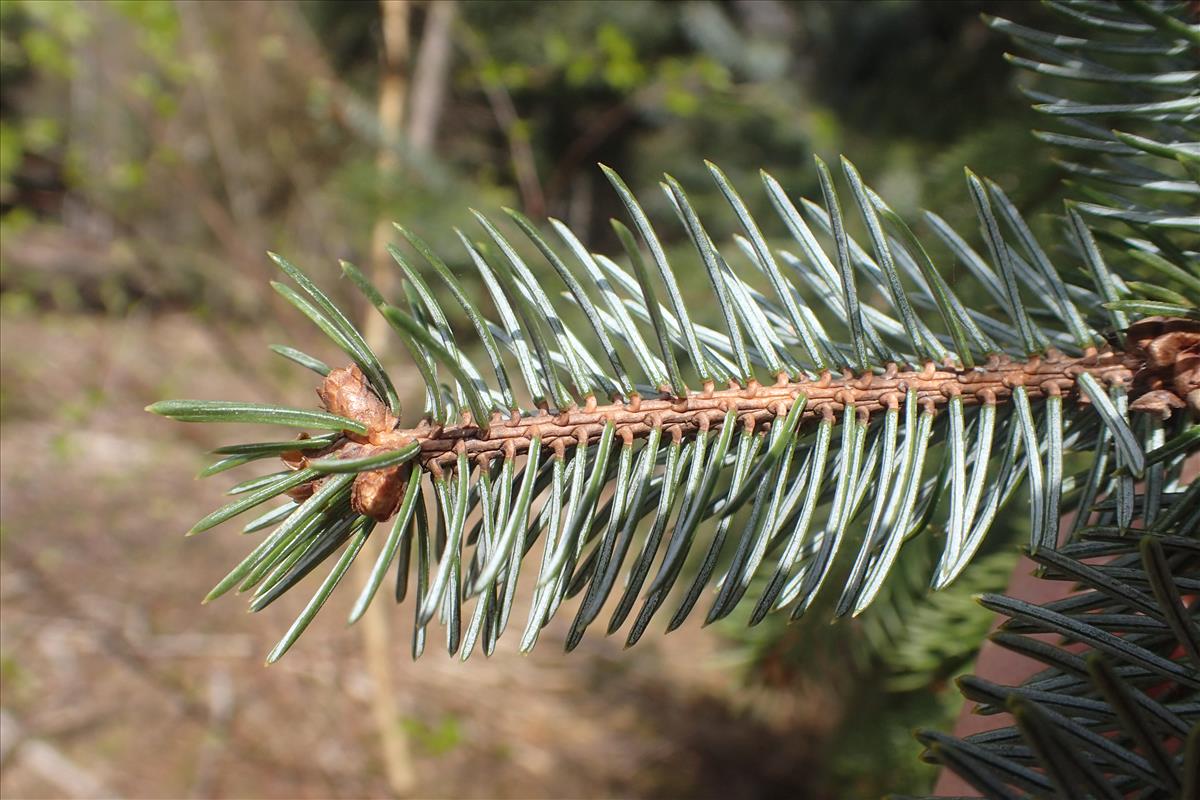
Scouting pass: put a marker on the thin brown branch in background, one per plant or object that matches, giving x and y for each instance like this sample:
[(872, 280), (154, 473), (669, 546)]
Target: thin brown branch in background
[(431, 74), (515, 130)]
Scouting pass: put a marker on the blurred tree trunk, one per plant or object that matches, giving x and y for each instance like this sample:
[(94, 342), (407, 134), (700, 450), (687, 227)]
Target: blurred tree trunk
[(429, 77), (1002, 666), (376, 627), (393, 93)]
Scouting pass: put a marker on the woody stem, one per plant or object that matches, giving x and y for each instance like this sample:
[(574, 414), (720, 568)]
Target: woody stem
[(758, 405)]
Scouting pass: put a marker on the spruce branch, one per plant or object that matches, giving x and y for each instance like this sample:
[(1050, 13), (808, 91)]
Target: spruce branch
[(769, 447), (850, 397)]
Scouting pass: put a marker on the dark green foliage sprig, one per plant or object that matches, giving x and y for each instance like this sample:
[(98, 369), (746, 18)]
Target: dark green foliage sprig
[(1115, 710), (1126, 124)]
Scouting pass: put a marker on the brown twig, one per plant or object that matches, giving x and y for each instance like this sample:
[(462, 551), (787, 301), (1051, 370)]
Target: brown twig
[(516, 134), (869, 393)]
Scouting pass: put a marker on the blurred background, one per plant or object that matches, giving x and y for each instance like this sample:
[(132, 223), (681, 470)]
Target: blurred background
[(151, 152)]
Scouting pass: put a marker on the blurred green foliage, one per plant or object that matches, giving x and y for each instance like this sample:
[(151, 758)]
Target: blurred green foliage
[(892, 668), (173, 140), (434, 739), (151, 151)]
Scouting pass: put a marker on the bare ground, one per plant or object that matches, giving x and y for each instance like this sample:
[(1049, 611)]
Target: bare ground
[(116, 682)]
